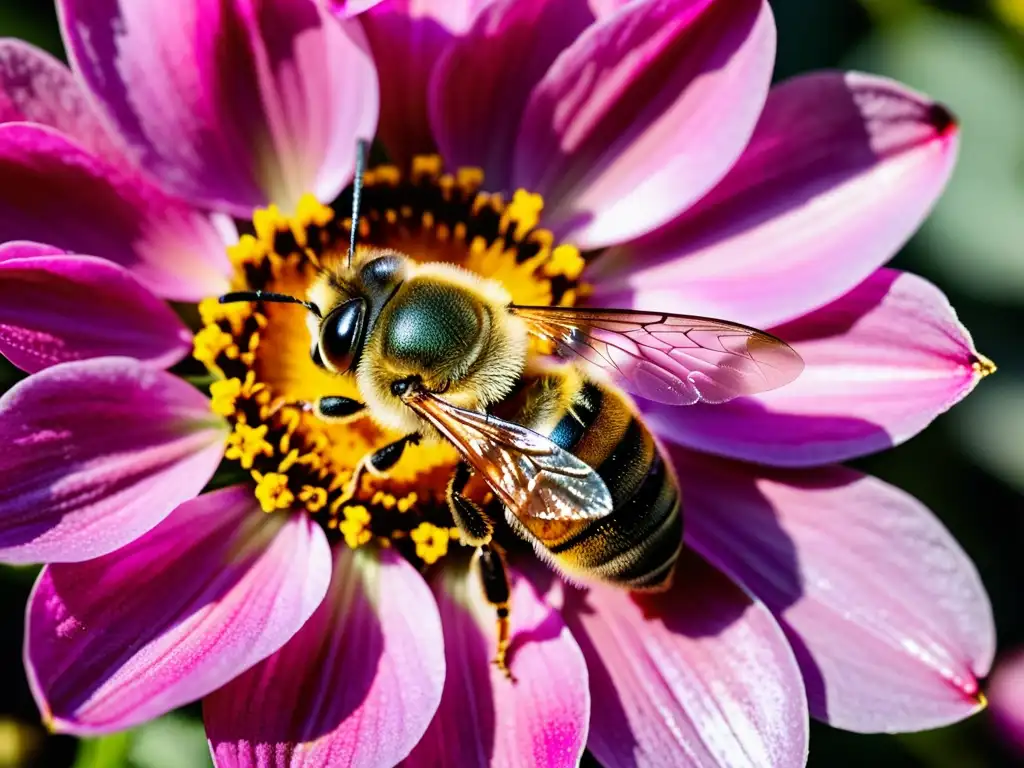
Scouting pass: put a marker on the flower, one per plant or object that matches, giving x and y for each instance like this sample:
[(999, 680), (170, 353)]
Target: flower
[(607, 153)]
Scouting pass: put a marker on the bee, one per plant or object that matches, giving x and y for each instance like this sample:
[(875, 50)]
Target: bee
[(439, 353)]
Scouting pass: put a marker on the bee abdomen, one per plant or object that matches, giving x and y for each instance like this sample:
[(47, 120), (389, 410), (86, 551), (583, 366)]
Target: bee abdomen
[(637, 545)]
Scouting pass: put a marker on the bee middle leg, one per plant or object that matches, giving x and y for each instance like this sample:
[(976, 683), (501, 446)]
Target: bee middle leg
[(476, 529), (329, 408), (378, 463)]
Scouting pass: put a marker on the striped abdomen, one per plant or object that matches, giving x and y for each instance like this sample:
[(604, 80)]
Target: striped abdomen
[(637, 545)]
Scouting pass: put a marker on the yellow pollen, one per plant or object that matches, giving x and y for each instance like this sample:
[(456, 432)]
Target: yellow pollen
[(431, 542), (353, 527), (212, 342), (212, 311), (313, 497), (524, 211), (565, 260), (223, 396), (265, 380), (268, 222), (248, 250), (310, 212), (246, 443), (983, 366), (272, 491)]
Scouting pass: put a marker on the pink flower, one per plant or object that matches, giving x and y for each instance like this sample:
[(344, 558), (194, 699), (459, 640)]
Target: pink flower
[(304, 622)]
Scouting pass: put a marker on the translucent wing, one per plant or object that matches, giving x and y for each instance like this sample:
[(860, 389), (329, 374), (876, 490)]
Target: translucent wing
[(531, 475), (674, 359)]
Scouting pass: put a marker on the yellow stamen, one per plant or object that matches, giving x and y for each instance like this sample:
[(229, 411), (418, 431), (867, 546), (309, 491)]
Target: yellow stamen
[(431, 542), (223, 396), (983, 366), (210, 343), (566, 261), (246, 443), (524, 211), (353, 527), (272, 491)]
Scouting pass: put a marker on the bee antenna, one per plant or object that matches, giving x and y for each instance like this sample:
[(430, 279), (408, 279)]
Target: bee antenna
[(280, 298), (362, 148)]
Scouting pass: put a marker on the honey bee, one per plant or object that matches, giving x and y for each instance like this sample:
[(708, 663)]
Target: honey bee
[(439, 353)]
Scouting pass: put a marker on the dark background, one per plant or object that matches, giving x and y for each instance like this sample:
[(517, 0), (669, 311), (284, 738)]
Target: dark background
[(969, 466)]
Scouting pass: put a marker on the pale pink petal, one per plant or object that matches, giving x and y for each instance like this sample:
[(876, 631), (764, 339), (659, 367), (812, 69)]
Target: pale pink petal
[(888, 618), (95, 454), (230, 103), (35, 87), (1006, 693), (643, 114), (407, 38), (484, 719), (215, 588), (841, 171), (348, 8), (881, 363), (55, 309), (700, 675), (356, 686), (481, 85), (53, 191)]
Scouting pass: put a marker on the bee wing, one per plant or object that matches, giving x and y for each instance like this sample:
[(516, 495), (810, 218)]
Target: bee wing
[(674, 359), (531, 475)]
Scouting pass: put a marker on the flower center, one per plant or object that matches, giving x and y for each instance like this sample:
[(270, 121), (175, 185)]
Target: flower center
[(259, 354)]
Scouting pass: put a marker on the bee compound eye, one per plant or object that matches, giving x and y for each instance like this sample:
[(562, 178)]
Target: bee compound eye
[(315, 356), (341, 335)]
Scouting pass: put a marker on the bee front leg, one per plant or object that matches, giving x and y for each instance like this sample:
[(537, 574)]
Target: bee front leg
[(377, 463), (330, 408), (333, 408)]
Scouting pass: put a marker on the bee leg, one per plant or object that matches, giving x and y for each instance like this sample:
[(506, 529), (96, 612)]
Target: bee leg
[(282, 402), (335, 408), (496, 590), (471, 521), (377, 463)]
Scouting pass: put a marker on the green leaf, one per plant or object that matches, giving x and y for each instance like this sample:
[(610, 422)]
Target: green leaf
[(173, 741), (104, 752)]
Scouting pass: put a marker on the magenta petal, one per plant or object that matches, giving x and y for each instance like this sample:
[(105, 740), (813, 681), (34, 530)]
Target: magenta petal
[(231, 103), (484, 719), (699, 675), (26, 249), (356, 686), (407, 38), (888, 618), (95, 454), (882, 362), (55, 309), (841, 171), (477, 99), (37, 88), (215, 588), (53, 191), (643, 114)]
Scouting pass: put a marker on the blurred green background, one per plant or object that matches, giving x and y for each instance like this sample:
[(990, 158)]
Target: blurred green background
[(969, 466)]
